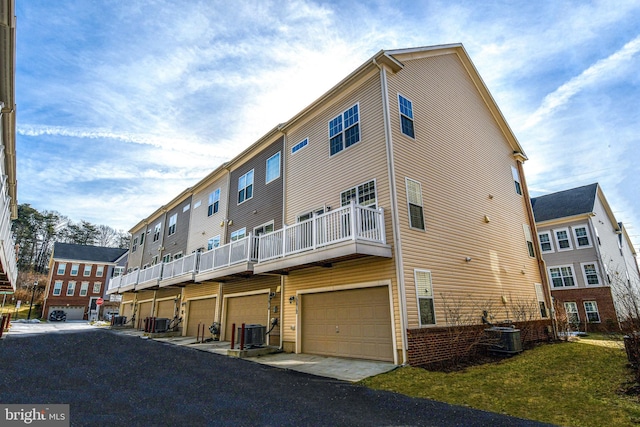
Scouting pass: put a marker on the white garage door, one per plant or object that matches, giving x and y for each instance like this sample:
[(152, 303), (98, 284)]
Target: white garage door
[(73, 312), (354, 323)]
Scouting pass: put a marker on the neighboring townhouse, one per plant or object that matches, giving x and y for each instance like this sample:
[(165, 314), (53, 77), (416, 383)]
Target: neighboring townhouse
[(589, 257), (78, 277), (358, 227), (8, 184)]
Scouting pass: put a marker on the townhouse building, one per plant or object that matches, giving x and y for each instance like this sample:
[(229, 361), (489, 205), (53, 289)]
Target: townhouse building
[(590, 259), (356, 227), (8, 183), (78, 278)]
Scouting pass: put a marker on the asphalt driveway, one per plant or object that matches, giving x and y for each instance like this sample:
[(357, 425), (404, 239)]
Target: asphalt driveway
[(114, 379)]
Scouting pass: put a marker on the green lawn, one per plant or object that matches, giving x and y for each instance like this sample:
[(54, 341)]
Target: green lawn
[(569, 384), (22, 312)]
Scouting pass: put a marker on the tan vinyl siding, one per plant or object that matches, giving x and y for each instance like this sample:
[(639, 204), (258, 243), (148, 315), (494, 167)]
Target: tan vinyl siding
[(127, 297), (169, 292), (203, 227), (199, 290), (364, 270), (314, 178), (463, 162)]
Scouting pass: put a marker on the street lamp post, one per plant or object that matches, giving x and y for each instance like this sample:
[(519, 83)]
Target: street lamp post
[(33, 291)]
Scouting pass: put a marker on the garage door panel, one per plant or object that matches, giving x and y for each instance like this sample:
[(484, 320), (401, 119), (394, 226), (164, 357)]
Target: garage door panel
[(166, 309), (250, 309), (352, 323), (200, 312), (73, 312)]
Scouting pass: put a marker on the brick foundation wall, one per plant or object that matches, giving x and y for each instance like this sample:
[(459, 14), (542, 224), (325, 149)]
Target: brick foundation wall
[(428, 346), (603, 298)]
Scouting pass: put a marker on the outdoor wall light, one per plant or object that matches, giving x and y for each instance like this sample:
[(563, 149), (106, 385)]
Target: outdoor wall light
[(468, 259)]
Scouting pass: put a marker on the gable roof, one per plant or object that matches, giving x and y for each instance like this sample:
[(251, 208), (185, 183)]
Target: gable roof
[(70, 251), (575, 201)]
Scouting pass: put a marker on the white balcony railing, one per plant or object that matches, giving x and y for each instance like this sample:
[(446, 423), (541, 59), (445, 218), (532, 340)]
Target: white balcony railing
[(149, 274), (241, 250), (180, 266), (7, 243), (114, 283), (352, 222)]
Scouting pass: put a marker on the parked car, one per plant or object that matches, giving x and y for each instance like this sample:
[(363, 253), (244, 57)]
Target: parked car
[(58, 316)]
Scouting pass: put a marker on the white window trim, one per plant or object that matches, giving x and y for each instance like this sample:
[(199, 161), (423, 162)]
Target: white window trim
[(237, 232), (84, 270), (99, 270), (64, 270), (344, 129), (400, 115), (424, 222), (84, 289), (555, 236), (77, 271), (584, 274), (516, 179), (577, 312), (415, 281), (56, 288), (550, 235), (214, 197), (357, 198), (575, 236), (173, 224), (266, 177), (573, 274), (301, 145), (586, 313), (271, 223), (71, 285), (213, 239), (99, 285), (253, 181)]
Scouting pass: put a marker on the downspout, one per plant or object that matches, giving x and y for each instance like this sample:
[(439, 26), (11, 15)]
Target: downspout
[(394, 210), (284, 204), (536, 243)]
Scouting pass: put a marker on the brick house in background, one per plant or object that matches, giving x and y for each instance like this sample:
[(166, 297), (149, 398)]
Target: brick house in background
[(78, 277), (589, 257)]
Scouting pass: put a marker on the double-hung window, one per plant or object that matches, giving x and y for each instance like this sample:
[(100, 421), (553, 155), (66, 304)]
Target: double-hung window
[(562, 277), (406, 116), (414, 199), (546, 244), (238, 234), (590, 272), (156, 232), (100, 271), (344, 130), (173, 219), (84, 289), (245, 187), (273, 167), (134, 245), (591, 308), (71, 289), (563, 242), (214, 202), (528, 238), (74, 269), (87, 270), (516, 180), (581, 234), (141, 238), (96, 287), (57, 288), (62, 266), (213, 242), (571, 308), (424, 289)]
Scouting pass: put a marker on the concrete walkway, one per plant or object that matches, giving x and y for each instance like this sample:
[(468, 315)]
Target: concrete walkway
[(352, 370)]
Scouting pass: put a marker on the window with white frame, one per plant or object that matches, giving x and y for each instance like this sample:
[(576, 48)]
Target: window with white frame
[(424, 289), (406, 116), (84, 289), (541, 301), (344, 130), (562, 276), (590, 273), (529, 239), (156, 232), (186, 207), (173, 219), (74, 269), (96, 287), (166, 258), (591, 309), (57, 288), (299, 146), (273, 167), (87, 270), (213, 242), (141, 238), (177, 256), (571, 308), (581, 234), (197, 204), (363, 194), (238, 234), (563, 242), (71, 289), (546, 244), (99, 270), (214, 202), (516, 179), (245, 187), (62, 267), (308, 215), (134, 244), (263, 229), (414, 200)]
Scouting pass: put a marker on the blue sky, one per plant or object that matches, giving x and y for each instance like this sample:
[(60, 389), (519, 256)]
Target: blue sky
[(123, 104)]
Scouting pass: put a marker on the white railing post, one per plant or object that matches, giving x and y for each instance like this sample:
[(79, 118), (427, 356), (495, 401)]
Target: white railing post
[(352, 210)]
